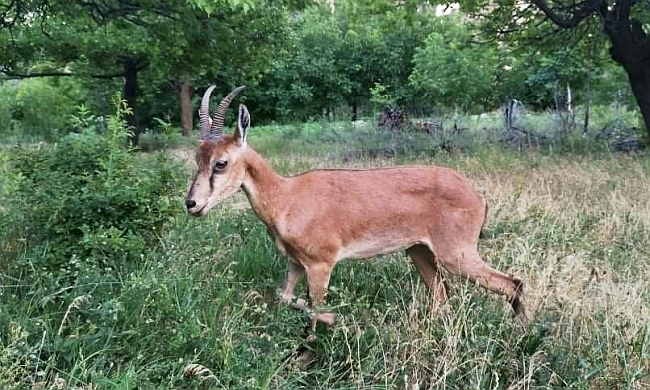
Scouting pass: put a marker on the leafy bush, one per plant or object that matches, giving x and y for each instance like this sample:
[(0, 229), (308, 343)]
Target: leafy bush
[(9, 182), (448, 63), (7, 96), (163, 136), (37, 108), (89, 204)]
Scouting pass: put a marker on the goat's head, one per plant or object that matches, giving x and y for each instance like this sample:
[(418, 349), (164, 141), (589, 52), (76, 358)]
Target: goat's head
[(220, 166)]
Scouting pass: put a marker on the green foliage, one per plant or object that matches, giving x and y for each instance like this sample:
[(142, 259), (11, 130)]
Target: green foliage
[(298, 61), (7, 99), (163, 136), (380, 96), (37, 108), (87, 204), (333, 60), (9, 184), (84, 212), (209, 6), (164, 44), (203, 291), (452, 71), (85, 121)]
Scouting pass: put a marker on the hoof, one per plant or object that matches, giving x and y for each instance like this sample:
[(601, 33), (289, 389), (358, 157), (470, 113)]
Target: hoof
[(303, 358), (299, 304), (284, 298), (327, 318)]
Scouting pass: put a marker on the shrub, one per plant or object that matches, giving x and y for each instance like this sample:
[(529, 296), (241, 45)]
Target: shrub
[(88, 205), (22, 104), (163, 136)]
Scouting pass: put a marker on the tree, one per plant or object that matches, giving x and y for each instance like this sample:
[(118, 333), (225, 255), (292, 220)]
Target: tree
[(175, 42), (334, 59), (622, 21), (93, 38), (451, 70)]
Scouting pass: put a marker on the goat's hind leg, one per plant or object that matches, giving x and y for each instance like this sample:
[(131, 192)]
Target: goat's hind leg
[(467, 263), (425, 262)]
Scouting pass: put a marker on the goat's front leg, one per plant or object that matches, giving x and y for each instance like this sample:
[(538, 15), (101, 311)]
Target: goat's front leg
[(318, 277), (295, 273)]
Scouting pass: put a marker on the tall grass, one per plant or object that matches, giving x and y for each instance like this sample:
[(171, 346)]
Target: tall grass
[(199, 310)]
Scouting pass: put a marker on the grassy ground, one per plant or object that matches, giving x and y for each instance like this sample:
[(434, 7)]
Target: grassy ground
[(573, 223)]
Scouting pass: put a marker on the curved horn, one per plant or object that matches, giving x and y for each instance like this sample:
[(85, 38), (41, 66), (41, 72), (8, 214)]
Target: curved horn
[(217, 119), (204, 115)]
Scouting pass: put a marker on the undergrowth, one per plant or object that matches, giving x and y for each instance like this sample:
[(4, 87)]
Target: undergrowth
[(191, 304)]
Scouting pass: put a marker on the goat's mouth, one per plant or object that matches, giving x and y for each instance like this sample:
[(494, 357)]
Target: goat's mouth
[(197, 213)]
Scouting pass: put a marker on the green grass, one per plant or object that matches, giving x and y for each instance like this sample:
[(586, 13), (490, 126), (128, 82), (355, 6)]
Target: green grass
[(574, 226)]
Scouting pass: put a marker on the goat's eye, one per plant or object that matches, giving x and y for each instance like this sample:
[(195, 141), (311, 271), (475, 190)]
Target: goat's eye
[(220, 165)]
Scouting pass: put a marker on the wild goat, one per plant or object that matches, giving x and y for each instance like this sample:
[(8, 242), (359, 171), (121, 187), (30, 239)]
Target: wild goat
[(320, 217)]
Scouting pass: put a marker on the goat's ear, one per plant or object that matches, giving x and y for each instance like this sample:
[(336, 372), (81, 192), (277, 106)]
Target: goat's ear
[(243, 124)]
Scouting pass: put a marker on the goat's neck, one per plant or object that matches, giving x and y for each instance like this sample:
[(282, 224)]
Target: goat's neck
[(263, 187)]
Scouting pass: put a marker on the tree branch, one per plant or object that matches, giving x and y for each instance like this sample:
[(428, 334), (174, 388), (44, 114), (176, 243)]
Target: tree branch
[(43, 30), (623, 11), (101, 11), (17, 75), (5, 12), (578, 14), (106, 76), (137, 21), (6, 9), (93, 11), (164, 14)]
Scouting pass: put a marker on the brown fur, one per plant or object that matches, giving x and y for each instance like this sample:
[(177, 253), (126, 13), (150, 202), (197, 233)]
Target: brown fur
[(321, 217)]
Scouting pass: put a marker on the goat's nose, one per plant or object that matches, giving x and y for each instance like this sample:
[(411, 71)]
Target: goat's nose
[(189, 203)]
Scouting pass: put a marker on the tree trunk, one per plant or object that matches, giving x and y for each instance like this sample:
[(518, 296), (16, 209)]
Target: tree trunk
[(585, 125), (631, 49), (641, 90), (130, 94), (636, 63), (510, 114), (569, 108), (628, 36), (562, 120), (186, 108)]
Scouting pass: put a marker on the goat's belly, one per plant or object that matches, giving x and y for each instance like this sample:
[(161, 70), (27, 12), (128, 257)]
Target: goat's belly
[(361, 249)]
